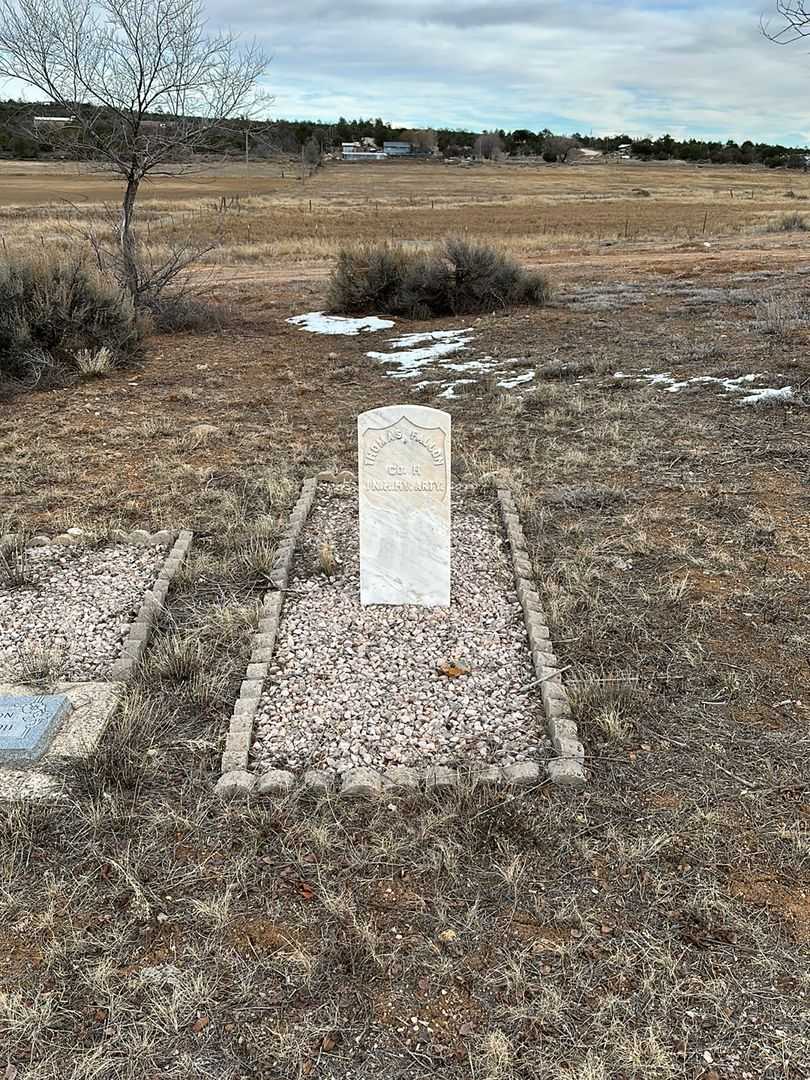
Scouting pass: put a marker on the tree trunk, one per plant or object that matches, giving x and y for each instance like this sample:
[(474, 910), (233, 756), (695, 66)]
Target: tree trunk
[(126, 237)]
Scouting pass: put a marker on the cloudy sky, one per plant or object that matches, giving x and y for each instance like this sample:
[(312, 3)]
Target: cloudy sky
[(641, 66), (637, 66)]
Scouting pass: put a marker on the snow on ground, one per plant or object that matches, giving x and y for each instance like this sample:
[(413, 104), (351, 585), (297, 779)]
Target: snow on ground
[(411, 352), (769, 396), (738, 385), (450, 389), (318, 322), (516, 380)]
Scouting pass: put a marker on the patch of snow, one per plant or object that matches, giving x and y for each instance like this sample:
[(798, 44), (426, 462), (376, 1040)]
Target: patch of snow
[(410, 360), (450, 391), (405, 341), (318, 322), (516, 380), (486, 363), (673, 385), (770, 395)]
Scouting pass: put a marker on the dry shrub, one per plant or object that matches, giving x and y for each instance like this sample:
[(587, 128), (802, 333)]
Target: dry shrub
[(52, 312), (792, 222), (177, 312), (456, 278)]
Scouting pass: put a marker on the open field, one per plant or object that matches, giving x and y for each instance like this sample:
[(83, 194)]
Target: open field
[(532, 210), (655, 927)]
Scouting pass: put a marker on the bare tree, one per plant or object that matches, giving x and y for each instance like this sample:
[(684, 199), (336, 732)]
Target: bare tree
[(794, 21), (144, 83), (489, 146), (556, 147)]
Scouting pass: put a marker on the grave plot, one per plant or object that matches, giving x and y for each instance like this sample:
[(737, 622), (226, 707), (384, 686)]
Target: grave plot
[(67, 608), (388, 685)]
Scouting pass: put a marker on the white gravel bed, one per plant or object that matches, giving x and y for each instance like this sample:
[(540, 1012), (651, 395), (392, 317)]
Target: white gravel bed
[(79, 605), (356, 686)]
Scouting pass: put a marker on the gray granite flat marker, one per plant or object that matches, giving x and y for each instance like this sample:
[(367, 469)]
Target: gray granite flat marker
[(28, 723)]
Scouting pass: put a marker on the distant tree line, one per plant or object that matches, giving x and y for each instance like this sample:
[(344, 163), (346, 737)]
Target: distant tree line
[(19, 138)]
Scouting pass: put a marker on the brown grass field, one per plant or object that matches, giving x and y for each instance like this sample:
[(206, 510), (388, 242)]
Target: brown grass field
[(655, 927)]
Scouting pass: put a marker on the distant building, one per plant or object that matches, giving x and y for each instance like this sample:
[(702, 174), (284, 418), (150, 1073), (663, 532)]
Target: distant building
[(397, 149), (52, 121), (583, 155), (356, 151)]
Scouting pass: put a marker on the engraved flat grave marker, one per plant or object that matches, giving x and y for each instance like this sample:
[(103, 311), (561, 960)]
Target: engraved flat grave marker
[(404, 492), (27, 725)]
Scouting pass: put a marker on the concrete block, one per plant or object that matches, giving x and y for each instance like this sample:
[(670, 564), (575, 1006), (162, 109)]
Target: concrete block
[(401, 779), (316, 782), (261, 656), (361, 783), (489, 776), (275, 782), (570, 749), (122, 670), (440, 778), (522, 774), (257, 671), (565, 772), (237, 784), (234, 761), (237, 742), (133, 649), (251, 688)]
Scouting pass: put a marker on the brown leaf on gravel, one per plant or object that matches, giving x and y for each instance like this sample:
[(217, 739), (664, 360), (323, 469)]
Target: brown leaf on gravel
[(452, 670)]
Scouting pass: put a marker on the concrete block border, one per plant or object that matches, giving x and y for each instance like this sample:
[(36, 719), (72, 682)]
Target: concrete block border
[(568, 768), (373, 784), (140, 630), (236, 781), (235, 778)]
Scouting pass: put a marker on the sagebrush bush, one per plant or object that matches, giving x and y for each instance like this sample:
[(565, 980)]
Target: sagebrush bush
[(53, 312), (175, 312), (792, 222), (459, 277)]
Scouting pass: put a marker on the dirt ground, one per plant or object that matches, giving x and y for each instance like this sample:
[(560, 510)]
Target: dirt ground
[(656, 926)]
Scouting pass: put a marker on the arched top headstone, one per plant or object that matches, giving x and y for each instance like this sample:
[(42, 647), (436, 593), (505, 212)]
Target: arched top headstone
[(404, 492)]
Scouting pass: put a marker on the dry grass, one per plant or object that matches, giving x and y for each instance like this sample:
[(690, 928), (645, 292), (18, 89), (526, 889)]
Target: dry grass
[(654, 927), (261, 218)]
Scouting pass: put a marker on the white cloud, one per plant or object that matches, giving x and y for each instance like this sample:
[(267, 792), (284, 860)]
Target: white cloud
[(607, 65)]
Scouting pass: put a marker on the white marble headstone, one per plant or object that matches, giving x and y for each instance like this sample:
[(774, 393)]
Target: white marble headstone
[(404, 481)]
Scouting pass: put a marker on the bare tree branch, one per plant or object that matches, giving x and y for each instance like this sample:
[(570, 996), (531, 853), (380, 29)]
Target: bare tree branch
[(794, 21)]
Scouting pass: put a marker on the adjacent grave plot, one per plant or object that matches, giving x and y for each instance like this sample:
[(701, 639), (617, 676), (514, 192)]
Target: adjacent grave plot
[(68, 608), (384, 685)]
